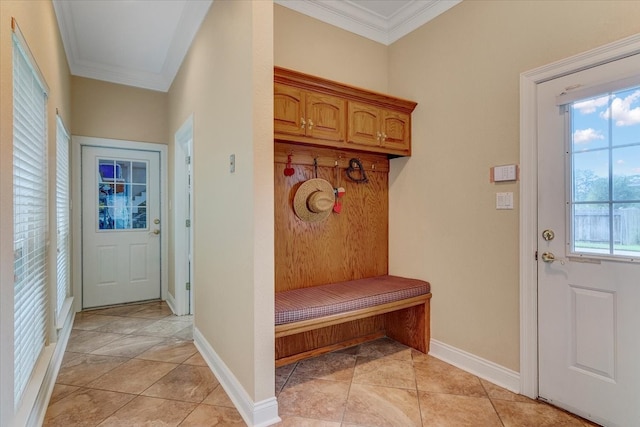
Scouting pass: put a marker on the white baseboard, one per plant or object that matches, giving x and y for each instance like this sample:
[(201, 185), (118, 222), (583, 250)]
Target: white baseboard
[(255, 414), (483, 368), (39, 409), (171, 302)]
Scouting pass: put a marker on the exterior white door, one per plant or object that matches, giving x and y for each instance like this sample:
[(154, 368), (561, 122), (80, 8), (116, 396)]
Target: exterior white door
[(120, 226), (589, 242)]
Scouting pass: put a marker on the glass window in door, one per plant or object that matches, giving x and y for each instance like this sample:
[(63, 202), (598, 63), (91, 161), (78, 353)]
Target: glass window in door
[(122, 194), (605, 174)]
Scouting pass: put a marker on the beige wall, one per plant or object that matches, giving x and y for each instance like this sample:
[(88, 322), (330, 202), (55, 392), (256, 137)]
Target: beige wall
[(39, 27), (226, 82), (463, 70), (109, 110), (307, 45)]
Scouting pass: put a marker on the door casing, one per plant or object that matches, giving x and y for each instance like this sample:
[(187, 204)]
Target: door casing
[(528, 190), (76, 205)]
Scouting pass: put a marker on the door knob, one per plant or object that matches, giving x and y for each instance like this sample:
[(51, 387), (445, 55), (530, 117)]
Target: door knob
[(548, 257)]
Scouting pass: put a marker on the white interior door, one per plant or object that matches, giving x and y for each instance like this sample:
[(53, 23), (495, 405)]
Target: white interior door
[(589, 201), (182, 230), (120, 226)]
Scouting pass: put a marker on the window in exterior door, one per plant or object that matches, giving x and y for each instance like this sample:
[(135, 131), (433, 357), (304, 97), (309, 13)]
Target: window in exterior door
[(122, 194), (604, 153)]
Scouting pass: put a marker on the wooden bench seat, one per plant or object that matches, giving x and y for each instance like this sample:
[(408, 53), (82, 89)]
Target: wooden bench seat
[(314, 320)]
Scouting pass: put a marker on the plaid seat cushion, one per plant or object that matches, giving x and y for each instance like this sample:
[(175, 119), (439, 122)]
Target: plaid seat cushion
[(324, 300)]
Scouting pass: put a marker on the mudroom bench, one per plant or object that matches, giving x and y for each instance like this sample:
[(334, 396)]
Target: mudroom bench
[(314, 320)]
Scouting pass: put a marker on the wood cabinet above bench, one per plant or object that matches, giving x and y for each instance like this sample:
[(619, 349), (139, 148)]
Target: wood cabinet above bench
[(314, 111)]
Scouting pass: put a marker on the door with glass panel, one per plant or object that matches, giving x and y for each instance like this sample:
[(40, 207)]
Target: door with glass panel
[(120, 226), (589, 242)]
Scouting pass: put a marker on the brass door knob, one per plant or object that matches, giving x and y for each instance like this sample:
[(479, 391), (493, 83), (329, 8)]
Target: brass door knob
[(548, 257)]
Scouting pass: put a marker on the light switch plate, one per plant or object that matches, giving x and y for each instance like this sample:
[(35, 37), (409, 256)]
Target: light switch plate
[(504, 200)]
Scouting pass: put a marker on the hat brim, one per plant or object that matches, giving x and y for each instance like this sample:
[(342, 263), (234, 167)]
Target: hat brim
[(300, 206)]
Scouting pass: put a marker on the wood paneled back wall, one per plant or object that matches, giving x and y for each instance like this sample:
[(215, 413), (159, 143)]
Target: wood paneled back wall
[(350, 245)]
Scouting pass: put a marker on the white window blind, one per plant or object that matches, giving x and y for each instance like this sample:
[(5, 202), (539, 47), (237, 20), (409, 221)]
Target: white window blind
[(579, 92), (29, 214), (62, 216)]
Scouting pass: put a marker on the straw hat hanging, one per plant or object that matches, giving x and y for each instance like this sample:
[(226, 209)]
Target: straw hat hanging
[(314, 200)]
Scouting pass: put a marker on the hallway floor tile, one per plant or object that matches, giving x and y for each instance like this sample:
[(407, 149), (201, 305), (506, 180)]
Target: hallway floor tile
[(136, 365)]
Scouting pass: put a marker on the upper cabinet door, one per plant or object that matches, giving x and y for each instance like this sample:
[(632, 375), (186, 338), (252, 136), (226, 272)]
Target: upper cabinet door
[(396, 131), (314, 111), (364, 124), (288, 110), (325, 117)]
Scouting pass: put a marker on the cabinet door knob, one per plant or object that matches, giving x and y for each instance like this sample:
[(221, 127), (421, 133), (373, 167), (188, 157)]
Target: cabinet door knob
[(302, 123), (310, 124), (379, 136), (384, 136)]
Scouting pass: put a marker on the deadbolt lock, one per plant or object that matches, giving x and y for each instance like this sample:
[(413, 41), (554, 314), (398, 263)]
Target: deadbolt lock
[(548, 235), (156, 221)]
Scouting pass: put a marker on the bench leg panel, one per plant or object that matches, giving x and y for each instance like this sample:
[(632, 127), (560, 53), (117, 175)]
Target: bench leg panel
[(410, 326)]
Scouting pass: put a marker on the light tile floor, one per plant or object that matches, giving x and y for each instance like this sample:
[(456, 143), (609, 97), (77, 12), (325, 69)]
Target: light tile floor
[(136, 365)]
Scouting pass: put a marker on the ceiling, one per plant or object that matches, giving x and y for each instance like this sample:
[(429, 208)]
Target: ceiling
[(142, 42)]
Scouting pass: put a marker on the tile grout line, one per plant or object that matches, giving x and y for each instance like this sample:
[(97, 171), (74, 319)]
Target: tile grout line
[(415, 378), (491, 401), (346, 402)]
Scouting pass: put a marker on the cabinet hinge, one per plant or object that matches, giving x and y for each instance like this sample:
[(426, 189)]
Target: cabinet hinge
[(187, 160), (536, 256), (187, 223), (188, 286)]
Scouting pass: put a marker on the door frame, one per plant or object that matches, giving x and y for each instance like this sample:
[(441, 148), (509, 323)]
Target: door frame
[(183, 145), (77, 142), (529, 192)]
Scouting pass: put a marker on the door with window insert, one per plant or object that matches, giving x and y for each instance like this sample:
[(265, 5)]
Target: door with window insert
[(120, 226), (589, 242)]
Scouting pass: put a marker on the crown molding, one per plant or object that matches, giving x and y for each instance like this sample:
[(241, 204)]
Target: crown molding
[(192, 16), (351, 17), (416, 15)]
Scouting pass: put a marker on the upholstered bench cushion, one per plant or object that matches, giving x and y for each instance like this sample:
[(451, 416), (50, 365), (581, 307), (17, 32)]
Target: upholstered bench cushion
[(325, 300)]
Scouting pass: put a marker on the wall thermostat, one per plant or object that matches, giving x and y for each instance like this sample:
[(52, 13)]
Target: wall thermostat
[(504, 173)]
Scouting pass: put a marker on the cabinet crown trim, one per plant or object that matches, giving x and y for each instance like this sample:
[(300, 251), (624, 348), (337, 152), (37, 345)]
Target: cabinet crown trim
[(330, 87)]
